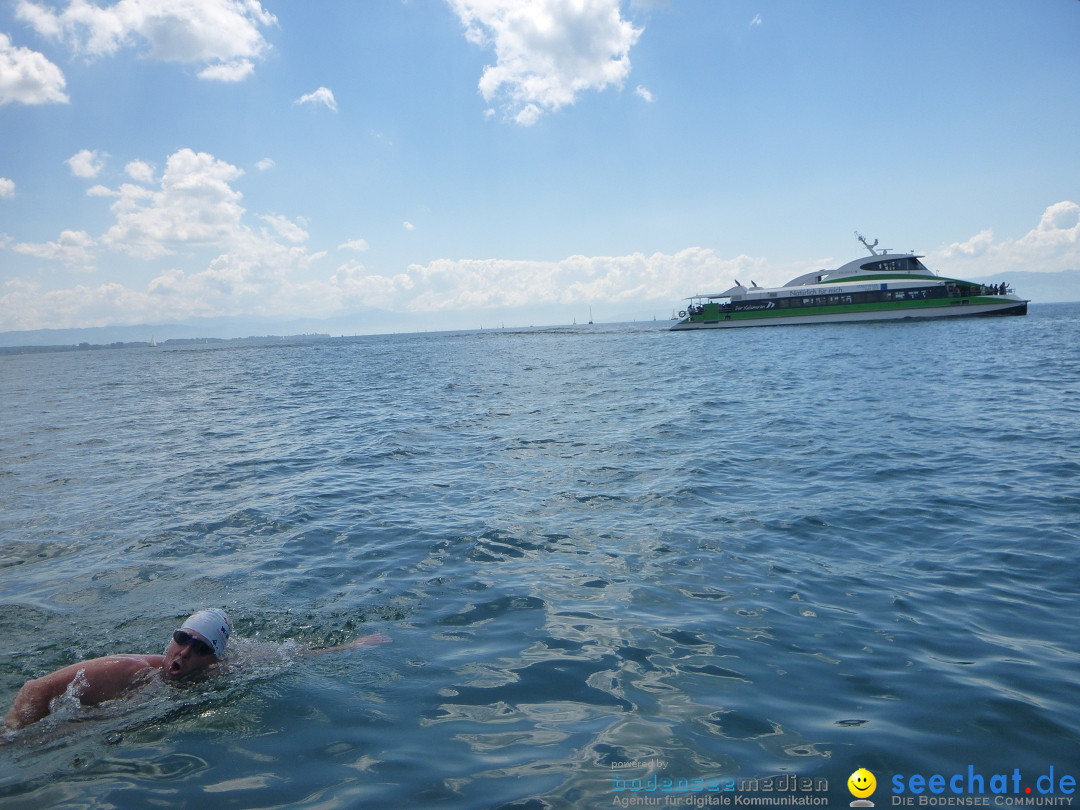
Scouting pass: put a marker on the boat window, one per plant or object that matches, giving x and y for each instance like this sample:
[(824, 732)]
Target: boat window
[(904, 265)]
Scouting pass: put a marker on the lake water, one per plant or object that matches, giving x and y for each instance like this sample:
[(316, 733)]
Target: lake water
[(746, 562)]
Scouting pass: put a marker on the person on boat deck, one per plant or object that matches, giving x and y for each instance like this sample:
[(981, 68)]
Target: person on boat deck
[(195, 649)]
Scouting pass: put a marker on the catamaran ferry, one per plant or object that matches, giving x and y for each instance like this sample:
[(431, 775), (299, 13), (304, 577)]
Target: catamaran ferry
[(886, 287)]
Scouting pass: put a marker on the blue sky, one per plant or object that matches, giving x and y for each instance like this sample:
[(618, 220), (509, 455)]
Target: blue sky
[(461, 162)]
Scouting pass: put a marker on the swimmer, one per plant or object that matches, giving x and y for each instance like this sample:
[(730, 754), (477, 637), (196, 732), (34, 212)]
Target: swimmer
[(195, 649)]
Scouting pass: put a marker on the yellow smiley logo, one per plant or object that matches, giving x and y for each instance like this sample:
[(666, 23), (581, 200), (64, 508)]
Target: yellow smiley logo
[(862, 783)]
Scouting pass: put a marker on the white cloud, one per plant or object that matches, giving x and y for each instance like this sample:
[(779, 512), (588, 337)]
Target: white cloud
[(354, 286), (27, 306), (448, 285), (252, 277), (7, 188), (195, 206), (259, 275), (225, 34), (87, 163), (27, 77), (756, 21), (264, 164), (644, 93), (977, 245), (140, 171), (547, 51), (268, 270), (1057, 233), (228, 71), (321, 96), (192, 209), (72, 248), (408, 226), (291, 231), (1052, 245), (354, 244)]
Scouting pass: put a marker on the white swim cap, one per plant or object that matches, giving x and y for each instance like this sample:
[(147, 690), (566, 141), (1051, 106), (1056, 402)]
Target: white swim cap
[(212, 625)]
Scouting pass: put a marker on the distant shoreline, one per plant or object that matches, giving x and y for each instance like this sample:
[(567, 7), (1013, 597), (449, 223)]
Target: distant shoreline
[(14, 348), (172, 343)]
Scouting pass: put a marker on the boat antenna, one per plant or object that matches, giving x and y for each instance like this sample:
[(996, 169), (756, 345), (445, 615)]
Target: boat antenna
[(867, 246)]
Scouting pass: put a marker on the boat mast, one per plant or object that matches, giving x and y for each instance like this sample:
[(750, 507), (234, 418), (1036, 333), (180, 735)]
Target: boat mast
[(867, 246)]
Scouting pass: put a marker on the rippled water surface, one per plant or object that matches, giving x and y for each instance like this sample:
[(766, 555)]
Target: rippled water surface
[(602, 554)]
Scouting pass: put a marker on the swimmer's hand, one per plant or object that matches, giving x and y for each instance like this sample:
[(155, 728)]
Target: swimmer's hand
[(363, 641)]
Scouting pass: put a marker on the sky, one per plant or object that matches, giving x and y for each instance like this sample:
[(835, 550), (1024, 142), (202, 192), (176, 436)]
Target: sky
[(457, 163)]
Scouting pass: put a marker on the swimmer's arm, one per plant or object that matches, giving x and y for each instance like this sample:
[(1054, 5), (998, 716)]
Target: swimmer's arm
[(32, 702), (101, 679), (363, 641)]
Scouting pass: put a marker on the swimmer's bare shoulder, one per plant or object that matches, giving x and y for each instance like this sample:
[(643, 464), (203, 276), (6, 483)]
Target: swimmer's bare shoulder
[(99, 679)]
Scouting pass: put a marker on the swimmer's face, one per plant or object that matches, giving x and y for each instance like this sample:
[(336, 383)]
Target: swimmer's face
[(187, 654), (861, 783)]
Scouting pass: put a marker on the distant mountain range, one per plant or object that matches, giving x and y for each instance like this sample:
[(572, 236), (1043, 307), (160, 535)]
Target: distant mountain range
[(1039, 287)]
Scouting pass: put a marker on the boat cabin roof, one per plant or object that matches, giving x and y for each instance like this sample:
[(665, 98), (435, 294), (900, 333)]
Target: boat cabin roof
[(883, 263), (879, 263)]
